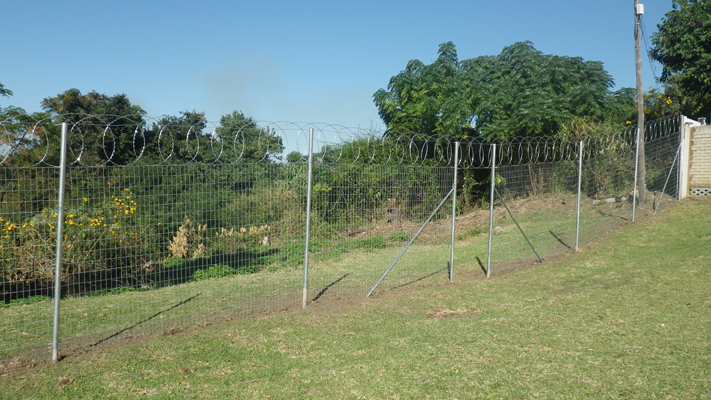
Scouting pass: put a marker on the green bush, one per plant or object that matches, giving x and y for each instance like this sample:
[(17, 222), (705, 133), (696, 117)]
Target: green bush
[(25, 301), (103, 243), (399, 237), (371, 243), (173, 263)]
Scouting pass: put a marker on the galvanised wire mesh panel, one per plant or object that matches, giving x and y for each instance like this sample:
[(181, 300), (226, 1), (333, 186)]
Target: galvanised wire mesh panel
[(371, 194), (541, 198), (662, 158), (28, 188), (181, 243), (364, 216), (27, 239), (607, 189)]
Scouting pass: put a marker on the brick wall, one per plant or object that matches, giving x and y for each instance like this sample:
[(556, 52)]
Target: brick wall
[(700, 160)]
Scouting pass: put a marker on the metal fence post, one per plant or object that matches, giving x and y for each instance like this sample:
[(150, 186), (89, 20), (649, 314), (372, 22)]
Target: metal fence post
[(491, 207), (60, 237), (308, 218), (454, 210), (580, 180), (636, 166)]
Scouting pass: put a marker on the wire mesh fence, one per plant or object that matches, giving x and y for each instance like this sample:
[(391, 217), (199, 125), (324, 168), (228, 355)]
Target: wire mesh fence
[(170, 224)]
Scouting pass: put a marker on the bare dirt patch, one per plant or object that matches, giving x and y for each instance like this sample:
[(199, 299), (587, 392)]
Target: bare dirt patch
[(443, 312)]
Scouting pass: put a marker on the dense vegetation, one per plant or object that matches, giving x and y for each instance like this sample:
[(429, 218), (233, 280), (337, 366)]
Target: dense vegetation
[(683, 46), (520, 92)]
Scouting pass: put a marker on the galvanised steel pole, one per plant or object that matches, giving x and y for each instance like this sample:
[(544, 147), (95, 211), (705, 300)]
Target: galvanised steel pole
[(636, 166), (60, 242), (308, 218), (491, 207), (580, 181), (454, 210)]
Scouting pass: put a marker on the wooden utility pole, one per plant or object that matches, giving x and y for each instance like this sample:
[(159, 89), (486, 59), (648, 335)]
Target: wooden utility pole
[(641, 170)]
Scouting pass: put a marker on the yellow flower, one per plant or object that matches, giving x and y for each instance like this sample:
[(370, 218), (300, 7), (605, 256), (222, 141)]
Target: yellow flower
[(628, 122), (85, 199)]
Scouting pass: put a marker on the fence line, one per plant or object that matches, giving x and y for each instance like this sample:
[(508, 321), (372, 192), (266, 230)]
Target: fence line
[(127, 140), (164, 226)]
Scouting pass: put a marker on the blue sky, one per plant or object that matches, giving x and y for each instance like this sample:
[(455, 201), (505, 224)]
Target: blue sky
[(313, 61)]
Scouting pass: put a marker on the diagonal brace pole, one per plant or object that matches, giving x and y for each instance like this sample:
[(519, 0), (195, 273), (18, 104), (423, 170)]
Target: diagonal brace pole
[(519, 226), (410, 242)]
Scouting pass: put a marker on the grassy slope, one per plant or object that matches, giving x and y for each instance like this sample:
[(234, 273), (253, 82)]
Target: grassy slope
[(629, 318)]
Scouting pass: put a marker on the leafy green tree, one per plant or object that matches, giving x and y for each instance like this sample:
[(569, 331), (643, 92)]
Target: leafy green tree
[(242, 139), (683, 46), (111, 127), (178, 139), (24, 142), (667, 102), (520, 92), (416, 98), (4, 91)]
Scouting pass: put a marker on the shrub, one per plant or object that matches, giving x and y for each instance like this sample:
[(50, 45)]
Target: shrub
[(371, 243), (399, 237), (103, 244)]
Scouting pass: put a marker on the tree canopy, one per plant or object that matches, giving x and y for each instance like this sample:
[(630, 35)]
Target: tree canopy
[(114, 130), (98, 144), (249, 143), (683, 46), (520, 92), (5, 91)]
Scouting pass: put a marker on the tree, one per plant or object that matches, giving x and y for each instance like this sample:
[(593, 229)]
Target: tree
[(111, 127), (178, 139), (520, 92), (683, 46), (4, 91), (416, 98), (242, 139)]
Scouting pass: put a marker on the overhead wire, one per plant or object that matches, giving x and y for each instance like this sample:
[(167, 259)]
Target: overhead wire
[(647, 47)]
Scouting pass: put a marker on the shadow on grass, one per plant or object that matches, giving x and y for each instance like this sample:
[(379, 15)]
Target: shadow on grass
[(560, 240), (324, 290), (215, 266), (422, 278), (145, 320), (481, 265)]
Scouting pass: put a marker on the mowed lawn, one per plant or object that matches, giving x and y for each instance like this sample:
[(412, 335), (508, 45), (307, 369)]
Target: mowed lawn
[(629, 317)]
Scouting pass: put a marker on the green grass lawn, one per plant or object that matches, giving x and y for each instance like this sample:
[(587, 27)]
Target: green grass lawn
[(627, 318)]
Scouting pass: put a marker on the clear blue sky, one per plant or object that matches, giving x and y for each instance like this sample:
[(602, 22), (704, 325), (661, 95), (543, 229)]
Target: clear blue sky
[(313, 61)]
